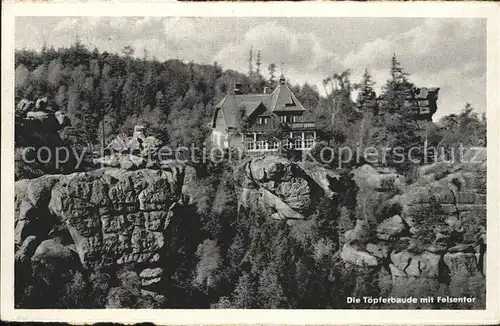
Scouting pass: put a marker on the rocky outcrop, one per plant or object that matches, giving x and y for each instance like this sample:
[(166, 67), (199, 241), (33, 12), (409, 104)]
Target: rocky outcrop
[(131, 153), (391, 227), (105, 218), (286, 190), (428, 235), (422, 238), (139, 144), (358, 257), (433, 228), (39, 113), (39, 127)]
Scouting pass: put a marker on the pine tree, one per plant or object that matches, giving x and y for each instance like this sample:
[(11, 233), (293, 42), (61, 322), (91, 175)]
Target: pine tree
[(366, 90), (250, 62), (272, 75), (397, 89), (399, 123), (245, 293), (128, 51), (207, 271), (271, 290), (367, 99), (397, 74), (258, 63)]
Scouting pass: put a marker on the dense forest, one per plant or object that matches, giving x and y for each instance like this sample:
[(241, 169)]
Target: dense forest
[(221, 262)]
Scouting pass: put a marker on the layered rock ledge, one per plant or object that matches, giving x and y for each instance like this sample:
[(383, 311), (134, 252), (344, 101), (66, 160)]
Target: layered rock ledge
[(106, 218)]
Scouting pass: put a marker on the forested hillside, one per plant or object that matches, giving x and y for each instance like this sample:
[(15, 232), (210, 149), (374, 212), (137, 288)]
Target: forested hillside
[(175, 100)]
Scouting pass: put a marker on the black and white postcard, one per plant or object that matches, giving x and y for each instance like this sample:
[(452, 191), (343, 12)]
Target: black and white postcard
[(272, 163)]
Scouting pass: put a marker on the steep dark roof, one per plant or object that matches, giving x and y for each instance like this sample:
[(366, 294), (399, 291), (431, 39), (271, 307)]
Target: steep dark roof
[(280, 100), (284, 100), (231, 104)]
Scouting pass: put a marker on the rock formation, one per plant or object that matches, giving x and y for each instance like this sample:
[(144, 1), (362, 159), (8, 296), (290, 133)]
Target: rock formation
[(38, 125), (286, 190), (134, 152), (433, 229), (106, 218), (422, 238)]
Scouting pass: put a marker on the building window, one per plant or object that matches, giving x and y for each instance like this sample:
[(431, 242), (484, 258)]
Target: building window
[(289, 118), (297, 143), (262, 120), (250, 146), (425, 110), (261, 145), (273, 146), (309, 142)]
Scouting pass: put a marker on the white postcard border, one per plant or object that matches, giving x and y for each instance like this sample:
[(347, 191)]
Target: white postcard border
[(227, 9)]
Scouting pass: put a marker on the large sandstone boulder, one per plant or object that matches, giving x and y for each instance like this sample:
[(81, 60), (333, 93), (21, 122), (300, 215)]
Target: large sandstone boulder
[(52, 250), (287, 189), (31, 214), (27, 249), (52, 261), (139, 144), (358, 257), (108, 212), (369, 178), (461, 264), (424, 265), (390, 227), (283, 210), (362, 232), (380, 249), (325, 178), (113, 217), (466, 280)]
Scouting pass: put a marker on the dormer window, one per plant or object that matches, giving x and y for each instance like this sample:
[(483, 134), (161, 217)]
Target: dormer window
[(262, 120), (290, 102)]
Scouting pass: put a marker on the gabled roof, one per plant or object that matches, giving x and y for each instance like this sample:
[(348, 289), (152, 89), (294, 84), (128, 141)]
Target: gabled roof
[(231, 104), (250, 107), (282, 99)]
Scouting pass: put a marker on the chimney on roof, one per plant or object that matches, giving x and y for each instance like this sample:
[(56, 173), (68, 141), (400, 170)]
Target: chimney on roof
[(266, 89), (238, 88)]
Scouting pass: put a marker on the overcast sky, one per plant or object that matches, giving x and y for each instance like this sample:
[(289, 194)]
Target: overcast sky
[(449, 53)]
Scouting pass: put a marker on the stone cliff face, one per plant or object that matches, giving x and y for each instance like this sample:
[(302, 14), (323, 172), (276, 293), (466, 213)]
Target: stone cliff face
[(286, 190), (37, 126), (107, 218), (430, 236), (423, 238)]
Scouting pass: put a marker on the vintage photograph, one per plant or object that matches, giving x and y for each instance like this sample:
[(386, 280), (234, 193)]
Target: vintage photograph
[(250, 162)]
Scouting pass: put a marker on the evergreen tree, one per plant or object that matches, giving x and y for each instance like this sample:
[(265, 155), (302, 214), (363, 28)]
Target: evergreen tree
[(245, 294), (250, 62), (366, 92), (272, 75), (397, 90), (337, 112), (258, 63), (399, 124), (128, 51), (207, 271)]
